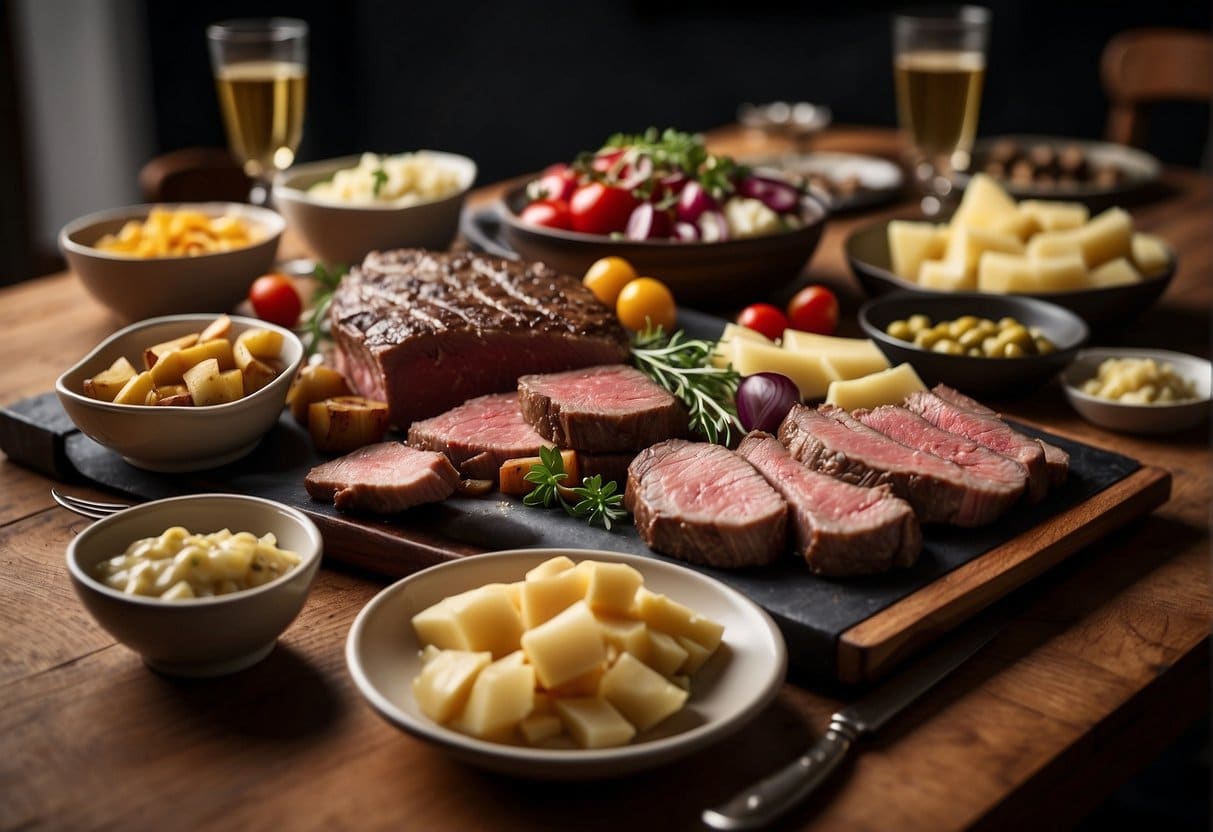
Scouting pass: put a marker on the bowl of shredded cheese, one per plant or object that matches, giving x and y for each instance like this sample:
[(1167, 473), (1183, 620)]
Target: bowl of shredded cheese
[(346, 207), (1139, 390), (200, 585)]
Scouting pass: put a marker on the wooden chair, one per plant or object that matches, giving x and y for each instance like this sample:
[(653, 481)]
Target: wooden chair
[(1143, 66), (194, 174)]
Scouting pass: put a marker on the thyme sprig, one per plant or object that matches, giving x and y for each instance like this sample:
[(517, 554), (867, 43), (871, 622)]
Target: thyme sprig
[(683, 366), (596, 503), (317, 321)]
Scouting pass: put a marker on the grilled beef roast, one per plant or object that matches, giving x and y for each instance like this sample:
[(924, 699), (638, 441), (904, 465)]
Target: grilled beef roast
[(840, 529), (704, 504), (1056, 459), (479, 435), (384, 478), (604, 409), (986, 430), (425, 331), (611, 467)]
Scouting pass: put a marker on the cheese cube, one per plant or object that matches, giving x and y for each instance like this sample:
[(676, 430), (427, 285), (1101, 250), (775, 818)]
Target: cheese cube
[(543, 598), (968, 244), (984, 205), (660, 613), (1020, 225), (810, 374), (1061, 274), (1150, 254), (846, 357), (664, 654), (430, 652), (443, 686), (1054, 244), (584, 685), (625, 635), (847, 366), (479, 619), (594, 723), (566, 646), (1055, 216), (1106, 237), (999, 272), (723, 353), (502, 695), (1118, 272), (611, 587), (946, 276), (538, 728), (697, 654), (888, 387), (910, 243), (550, 567), (642, 695)]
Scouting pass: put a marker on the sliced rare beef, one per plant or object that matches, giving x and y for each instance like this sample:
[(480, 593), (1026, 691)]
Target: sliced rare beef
[(833, 442), (988, 430), (1056, 459), (604, 409), (840, 529), (425, 331), (479, 435), (704, 504), (611, 467), (384, 478)]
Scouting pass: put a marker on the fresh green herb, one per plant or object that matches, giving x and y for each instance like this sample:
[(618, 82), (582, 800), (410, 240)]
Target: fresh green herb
[(664, 152), (317, 321), (684, 367), (380, 177), (596, 503)]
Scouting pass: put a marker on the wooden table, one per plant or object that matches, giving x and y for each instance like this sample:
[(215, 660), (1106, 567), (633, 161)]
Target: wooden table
[(1105, 662)]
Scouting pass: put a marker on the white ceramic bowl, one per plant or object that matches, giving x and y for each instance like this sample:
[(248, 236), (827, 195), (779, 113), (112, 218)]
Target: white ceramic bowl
[(343, 234), (175, 438), (1138, 418), (139, 287), (197, 636), (733, 687)]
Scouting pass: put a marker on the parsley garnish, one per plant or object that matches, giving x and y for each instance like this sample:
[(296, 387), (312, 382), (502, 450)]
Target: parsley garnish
[(597, 503)]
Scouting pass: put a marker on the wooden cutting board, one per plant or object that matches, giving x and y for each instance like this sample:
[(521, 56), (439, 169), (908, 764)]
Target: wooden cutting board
[(851, 630)]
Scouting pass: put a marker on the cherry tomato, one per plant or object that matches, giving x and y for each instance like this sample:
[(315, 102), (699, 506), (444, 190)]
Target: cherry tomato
[(549, 213), (275, 300), (643, 300), (601, 209), (607, 277), (557, 182), (814, 309), (764, 318)]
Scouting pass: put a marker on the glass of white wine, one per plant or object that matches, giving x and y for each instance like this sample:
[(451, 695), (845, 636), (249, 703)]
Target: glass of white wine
[(939, 66), (260, 69)]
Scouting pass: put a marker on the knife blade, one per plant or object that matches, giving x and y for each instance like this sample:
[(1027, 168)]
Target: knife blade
[(768, 799)]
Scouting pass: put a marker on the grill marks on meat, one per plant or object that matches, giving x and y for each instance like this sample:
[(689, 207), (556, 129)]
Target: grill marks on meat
[(840, 529), (603, 409), (704, 504), (426, 331), (384, 478), (479, 435)]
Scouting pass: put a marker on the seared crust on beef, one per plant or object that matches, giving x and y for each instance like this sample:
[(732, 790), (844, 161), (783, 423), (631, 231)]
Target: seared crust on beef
[(479, 435), (384, 478)]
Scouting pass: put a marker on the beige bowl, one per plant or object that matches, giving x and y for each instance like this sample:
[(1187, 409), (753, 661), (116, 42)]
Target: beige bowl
[(175, 438), (141, 287), (343, 234), (198, 636)]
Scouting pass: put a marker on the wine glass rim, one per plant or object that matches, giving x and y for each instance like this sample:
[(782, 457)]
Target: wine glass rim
[(258, 29), (946, 15)]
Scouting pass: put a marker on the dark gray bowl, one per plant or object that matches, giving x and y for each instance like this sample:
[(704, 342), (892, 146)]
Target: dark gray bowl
[(1103, 309), (999, 377)]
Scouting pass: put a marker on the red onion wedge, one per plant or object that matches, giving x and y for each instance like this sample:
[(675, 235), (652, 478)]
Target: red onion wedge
[(763, 399)]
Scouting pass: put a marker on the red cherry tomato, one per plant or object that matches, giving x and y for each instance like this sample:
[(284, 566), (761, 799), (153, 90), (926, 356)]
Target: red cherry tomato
[(764, 318), (557, 182), (275, 300), (549, 213), (601, 209), (814, 309)]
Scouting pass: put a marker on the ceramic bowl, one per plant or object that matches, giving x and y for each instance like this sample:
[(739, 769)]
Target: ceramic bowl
[(197, 636), (162, 438), (1138, 418), (709, 274), (143, 287), (867, 251), (1000, 377), (343, 234)]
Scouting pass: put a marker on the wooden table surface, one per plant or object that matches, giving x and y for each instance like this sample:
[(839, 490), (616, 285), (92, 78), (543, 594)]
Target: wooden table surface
[(1104, 662)]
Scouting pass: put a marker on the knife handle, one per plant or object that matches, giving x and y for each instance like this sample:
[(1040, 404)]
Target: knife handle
[(772, 796)]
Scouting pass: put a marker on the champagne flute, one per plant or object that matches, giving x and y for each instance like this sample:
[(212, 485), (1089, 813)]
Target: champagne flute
[(939, 65), (260, 69)]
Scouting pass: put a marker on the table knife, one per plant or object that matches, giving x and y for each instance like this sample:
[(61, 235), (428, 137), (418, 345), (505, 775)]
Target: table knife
[(769, 798)]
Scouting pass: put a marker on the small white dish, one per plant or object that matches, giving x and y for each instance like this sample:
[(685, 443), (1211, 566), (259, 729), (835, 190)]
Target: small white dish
[(1138, 418), (161, 438), (198, 637), (741, 679)]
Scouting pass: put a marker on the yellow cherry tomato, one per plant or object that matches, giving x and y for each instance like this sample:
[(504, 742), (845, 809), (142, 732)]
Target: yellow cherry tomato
[(607, 277), (645, 299)]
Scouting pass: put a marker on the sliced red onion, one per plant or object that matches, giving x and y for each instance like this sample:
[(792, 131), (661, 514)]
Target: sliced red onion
[(674, 183), (637, 173), (781, 197), (686, 232), (693, 201), (764, 399), (647, 222), (713, 227)]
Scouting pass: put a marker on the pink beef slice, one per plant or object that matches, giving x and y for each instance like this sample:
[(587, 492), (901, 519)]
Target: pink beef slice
[(839, 528), (1056, 459), (987, 430), (830, 440), (704, 504), (479, 435), (425, 331), (605, 409), (384, 478)]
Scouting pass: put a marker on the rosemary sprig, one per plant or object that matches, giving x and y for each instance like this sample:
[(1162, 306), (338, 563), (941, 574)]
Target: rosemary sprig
[(683, 366), (597, 503), (317, 321)]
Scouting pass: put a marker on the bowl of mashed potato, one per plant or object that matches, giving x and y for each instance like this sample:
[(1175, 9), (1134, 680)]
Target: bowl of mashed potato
[(200, 585), (344, 208)]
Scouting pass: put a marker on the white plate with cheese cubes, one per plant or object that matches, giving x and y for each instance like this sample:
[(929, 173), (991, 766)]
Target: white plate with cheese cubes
[(590, 737)]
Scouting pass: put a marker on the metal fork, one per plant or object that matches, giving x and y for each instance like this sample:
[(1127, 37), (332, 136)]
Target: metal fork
[(88, 508)]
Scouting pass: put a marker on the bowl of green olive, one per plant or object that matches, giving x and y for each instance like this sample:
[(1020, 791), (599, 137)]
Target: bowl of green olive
[(996, 345)]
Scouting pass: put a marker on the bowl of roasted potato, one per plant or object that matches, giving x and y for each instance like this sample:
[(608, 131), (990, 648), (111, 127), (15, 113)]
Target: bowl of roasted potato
[(182, 392), (148, 260)]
